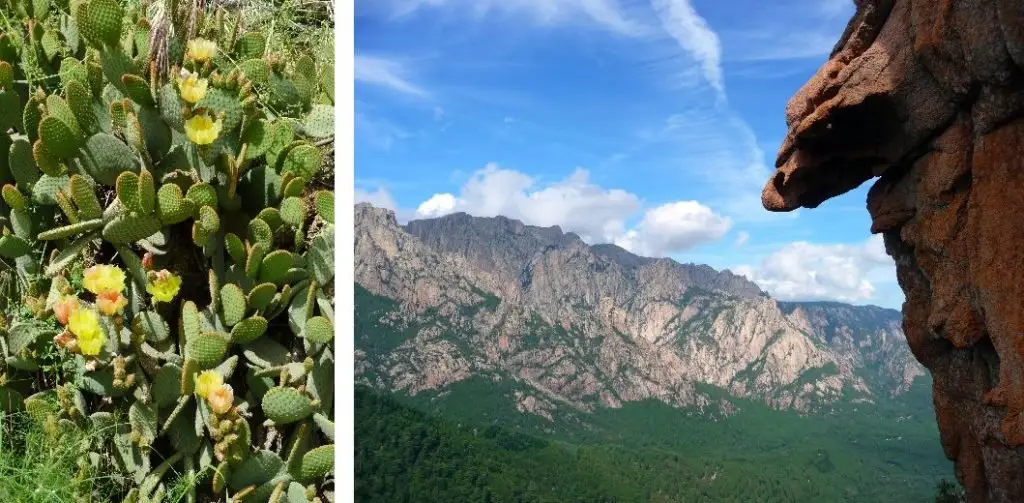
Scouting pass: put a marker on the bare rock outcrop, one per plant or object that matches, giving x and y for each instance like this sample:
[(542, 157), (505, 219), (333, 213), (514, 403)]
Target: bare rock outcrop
[(928, 95)]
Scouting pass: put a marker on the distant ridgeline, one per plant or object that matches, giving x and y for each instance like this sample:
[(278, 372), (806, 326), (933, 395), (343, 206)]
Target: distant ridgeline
[(504, 362)]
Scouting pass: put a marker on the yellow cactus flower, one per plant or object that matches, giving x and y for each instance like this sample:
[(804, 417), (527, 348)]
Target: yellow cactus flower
[(111, 303), (85, 324), (201, 50), (192, 88), (202, 130), (163, 285), (221, 399), (64, 307), (103, 278), (207, 381)]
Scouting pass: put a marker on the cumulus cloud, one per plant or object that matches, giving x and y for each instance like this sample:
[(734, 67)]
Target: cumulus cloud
[(808, 271), (380, 198), (597, 214), (674, 227)]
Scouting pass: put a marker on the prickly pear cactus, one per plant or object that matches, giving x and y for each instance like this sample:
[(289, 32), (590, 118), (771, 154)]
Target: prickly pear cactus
[(168, 246)]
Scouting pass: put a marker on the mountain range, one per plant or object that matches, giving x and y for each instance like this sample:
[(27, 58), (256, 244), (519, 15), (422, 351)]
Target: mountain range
[(569, 326)]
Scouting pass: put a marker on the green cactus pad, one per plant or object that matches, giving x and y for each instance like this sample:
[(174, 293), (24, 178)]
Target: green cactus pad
[(319, 123), (22, 165), (13, 197), (137, 89), (293, 211), (248, 330), (69, 254), (284, 405), (220, 477), (147, 192), (167, 385), (256, 70), (85, 198), (6, 76), (232, 304), (303, 161), (130, 228), (207, 349), (202, 194), (235, 248), (151, 325), (21, 222), (271, 216), (226, 102), (261, 295), (80, 102), (208, 219), (47, 163), (317, 463), (190, 324), (31, 117), (142, 419), (250, 45), (294, 187), (58, 138), (99, 21), (13, 247), (172, 207), (255, 260), (324, 201), (257, 469), (318, 329), (106, 157), (260, 232), (128, 191), (70, 230), (274, 266)]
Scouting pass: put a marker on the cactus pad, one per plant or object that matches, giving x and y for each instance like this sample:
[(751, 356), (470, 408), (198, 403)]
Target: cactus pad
[(202, 194), (13, 247), (293, 211), (302, 160), (235, 248), (248, 330), (274, 266), (171, 205), (284, 405), (317, 463), (59, 139), (128, 191), (207, 349), (261, 295), (130, 228), (318, 329), (13, 197), (70, 230), (324, 201), (85, 198), (260, 232)]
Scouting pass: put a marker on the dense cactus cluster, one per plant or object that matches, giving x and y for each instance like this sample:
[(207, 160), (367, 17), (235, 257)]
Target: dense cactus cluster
[(167, 253)]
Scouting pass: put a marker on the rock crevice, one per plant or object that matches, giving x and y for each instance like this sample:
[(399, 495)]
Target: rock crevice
[(928, 95)]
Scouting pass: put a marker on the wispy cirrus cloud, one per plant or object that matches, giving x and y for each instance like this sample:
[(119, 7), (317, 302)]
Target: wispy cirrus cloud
[(388, 73)]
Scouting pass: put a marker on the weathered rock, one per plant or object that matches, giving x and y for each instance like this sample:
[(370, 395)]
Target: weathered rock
[(929, 95), (583, 327)]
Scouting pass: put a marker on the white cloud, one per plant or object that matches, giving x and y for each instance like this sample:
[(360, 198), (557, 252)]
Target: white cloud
[(682, 22), (576, 204), (385, 72), (807, 271), (674, 227), (741, 238), (380, 198), (438, 205)]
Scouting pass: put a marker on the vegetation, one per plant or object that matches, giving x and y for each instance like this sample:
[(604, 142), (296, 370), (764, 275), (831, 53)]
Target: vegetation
[(468, 442), (166, 251)]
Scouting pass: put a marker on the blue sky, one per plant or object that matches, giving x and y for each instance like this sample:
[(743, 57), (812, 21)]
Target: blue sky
[(652, 124)]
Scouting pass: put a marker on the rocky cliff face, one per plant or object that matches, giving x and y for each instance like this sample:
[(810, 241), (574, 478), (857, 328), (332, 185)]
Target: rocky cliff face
[(928, 95), (581, 326)]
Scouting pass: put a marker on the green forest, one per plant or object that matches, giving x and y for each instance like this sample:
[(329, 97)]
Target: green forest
[(405, 454)]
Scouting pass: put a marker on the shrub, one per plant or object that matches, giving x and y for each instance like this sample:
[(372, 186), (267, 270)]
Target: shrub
[(166, 246)]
